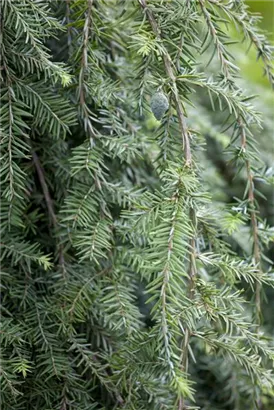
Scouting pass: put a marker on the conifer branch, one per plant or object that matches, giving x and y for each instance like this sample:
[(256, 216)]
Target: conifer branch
[(188, 158), (69, 31), (253, 215), (247, 23), (10, 134), (221, 51), (45, 189), (166, 273), (49, 203), (192, 276), (227, 71), (83, 70), (170, 73), (84, 61), (4, 67)]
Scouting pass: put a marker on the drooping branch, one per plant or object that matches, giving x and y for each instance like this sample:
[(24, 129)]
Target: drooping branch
[(192, 275), (83, 72), (4, 67), (229, 69), (170, 71), (171, 74), (44, 187), (245, 21), (49, 203), (69, 31), (220, 47), (166, 273), (253, 217), (84, 59)]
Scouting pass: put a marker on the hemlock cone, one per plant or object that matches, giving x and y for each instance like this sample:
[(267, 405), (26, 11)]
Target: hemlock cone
[(159, 105), (135, 257)]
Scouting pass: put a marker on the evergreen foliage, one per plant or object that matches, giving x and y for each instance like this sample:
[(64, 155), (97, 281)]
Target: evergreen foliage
[(135, 259)]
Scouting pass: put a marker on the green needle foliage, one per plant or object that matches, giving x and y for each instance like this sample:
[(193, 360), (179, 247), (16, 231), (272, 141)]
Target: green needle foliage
[(135, 258)]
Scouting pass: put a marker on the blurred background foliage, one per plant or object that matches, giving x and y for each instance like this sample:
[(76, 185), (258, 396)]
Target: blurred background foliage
[(251, 70), (266, 9)]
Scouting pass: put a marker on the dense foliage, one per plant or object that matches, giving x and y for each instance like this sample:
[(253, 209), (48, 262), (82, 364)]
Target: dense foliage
[(135, 253)]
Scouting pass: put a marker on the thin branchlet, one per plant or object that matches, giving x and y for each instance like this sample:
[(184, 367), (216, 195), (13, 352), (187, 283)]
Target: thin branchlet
[(170, 71), (4, 65), (83, 71), (49, 203), (171, 74), (253, 216), (238, 13), (69, 29), (220, 47), (228, 72), (166, 273)]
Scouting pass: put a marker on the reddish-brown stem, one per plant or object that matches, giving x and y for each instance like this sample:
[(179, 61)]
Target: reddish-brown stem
[(49, 203), (253, 217)]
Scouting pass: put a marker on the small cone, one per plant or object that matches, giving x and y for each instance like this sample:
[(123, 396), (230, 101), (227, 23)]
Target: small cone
[(159, 104)]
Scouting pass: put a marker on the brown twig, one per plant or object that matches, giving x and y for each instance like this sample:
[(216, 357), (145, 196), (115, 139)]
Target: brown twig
[(253, 217), (49, 203), (69, 27), (44, 186)]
